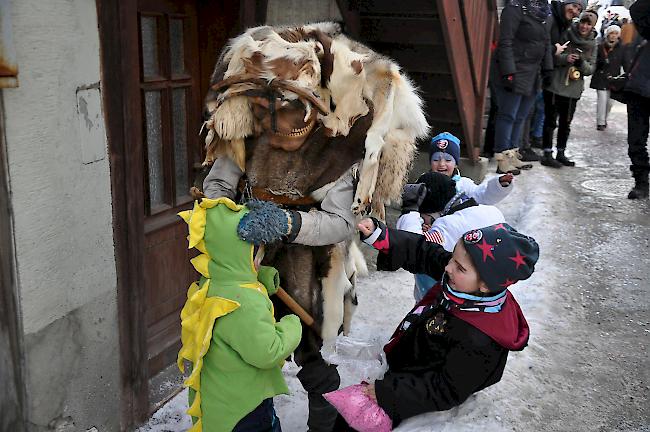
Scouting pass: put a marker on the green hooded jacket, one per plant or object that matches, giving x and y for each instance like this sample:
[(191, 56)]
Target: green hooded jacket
[(229, 332)]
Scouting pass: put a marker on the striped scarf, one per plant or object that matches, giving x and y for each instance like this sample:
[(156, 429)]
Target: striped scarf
[(468, 302)]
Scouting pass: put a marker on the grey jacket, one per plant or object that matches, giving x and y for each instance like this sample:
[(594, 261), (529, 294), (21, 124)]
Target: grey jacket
[(332, 224), (560, 84)]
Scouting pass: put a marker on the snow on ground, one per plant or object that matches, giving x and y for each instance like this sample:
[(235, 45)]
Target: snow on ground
[(586, 367)]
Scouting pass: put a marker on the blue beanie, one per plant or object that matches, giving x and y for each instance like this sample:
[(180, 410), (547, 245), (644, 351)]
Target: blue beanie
[(501, 255), (446, 143)]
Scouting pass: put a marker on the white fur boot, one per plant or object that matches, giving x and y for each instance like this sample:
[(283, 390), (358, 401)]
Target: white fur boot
[(503, 164)]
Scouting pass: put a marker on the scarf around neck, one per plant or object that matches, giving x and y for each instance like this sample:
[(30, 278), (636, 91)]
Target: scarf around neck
[(468, 302)]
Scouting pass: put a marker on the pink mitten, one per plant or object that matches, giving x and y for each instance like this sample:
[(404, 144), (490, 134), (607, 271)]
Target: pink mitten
[(361, 412)]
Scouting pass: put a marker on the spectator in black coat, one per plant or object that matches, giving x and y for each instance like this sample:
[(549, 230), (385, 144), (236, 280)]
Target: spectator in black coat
[(608, 64), (638, 103), (456, 340), (523, 50)]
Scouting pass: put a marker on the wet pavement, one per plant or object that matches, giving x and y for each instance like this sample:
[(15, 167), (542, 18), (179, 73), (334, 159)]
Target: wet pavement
[(589, 302)]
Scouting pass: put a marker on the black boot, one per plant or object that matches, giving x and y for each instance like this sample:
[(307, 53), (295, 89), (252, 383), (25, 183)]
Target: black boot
[(640, 190), (529, 155), (536, 142), (317, 377), (547, 160), (561, 158)]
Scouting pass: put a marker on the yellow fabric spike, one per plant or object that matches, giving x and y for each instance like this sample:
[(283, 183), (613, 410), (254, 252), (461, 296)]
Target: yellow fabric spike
[(197, 224), (198, 426), (200, 263), (197, 322), (200, 246), (195, 409), (185, 215)]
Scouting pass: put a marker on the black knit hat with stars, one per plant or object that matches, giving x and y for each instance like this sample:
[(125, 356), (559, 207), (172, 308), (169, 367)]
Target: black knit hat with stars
[(501, 255)]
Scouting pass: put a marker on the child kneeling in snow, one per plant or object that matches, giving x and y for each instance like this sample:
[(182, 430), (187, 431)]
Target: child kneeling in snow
[(456, 340)]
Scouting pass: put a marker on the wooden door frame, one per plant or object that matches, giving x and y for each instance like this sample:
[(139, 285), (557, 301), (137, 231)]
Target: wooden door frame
[(124, 120), (469, 100), (12, 397), (116, 18)]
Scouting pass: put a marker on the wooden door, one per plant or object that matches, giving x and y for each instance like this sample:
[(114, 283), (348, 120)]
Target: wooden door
[(170, 116), (157, 57)]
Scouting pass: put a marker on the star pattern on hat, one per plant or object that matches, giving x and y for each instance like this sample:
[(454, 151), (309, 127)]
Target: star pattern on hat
[(507, 283), (486, 248), (518, 259), (500, 226)]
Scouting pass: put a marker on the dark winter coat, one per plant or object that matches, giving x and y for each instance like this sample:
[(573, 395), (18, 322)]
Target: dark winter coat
[(639, 81), (560, 84), (437, 370), (556, 24), (522, 49), (608, 63)]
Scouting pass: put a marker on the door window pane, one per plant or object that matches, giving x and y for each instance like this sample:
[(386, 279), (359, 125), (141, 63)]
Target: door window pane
[(179, 120), (149, 32), (154, 148), (176, 46)]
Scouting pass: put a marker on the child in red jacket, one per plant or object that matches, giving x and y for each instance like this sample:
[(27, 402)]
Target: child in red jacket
[(456, 340)]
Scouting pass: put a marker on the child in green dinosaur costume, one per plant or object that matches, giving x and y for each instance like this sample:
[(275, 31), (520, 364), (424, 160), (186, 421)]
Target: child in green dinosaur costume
[(229, 333)]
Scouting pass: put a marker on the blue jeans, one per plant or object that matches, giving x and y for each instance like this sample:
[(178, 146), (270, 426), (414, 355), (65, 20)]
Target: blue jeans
[(261, 419), (537, 124), (513, 110)]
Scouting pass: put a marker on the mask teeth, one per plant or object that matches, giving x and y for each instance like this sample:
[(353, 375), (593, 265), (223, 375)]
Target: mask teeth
[(297, 132)]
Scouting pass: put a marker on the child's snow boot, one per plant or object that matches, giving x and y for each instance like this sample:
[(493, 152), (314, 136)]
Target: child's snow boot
[(503, 164)]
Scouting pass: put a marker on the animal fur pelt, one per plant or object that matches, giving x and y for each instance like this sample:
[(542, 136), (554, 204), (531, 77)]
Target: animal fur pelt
[(352, 105), (338, 81)]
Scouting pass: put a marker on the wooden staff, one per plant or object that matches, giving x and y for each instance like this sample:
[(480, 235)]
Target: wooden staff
[(297, 309), (286, 298)]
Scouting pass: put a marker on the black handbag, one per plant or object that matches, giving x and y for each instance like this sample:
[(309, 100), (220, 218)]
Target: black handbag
[(617, 84), (616, 87)]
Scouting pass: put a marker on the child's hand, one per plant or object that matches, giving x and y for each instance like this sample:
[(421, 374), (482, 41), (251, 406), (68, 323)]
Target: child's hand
[(366, 227), (506, 179)]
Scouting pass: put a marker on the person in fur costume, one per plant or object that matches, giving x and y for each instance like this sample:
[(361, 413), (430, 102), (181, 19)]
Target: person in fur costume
[(320, 128), (229, 334)]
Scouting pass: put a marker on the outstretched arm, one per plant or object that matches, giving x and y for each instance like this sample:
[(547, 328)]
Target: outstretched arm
[(334, 222), (222, 179), (401, 249)]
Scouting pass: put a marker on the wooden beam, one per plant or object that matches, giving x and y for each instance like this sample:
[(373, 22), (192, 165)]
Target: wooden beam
[(118, 30), (458, 56)]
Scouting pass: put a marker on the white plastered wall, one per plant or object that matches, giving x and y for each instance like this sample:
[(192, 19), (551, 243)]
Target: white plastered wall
[(61, 198)]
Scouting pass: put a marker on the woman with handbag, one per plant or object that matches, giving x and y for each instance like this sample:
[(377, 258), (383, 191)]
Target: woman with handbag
[(564, 86), (608, 64)]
